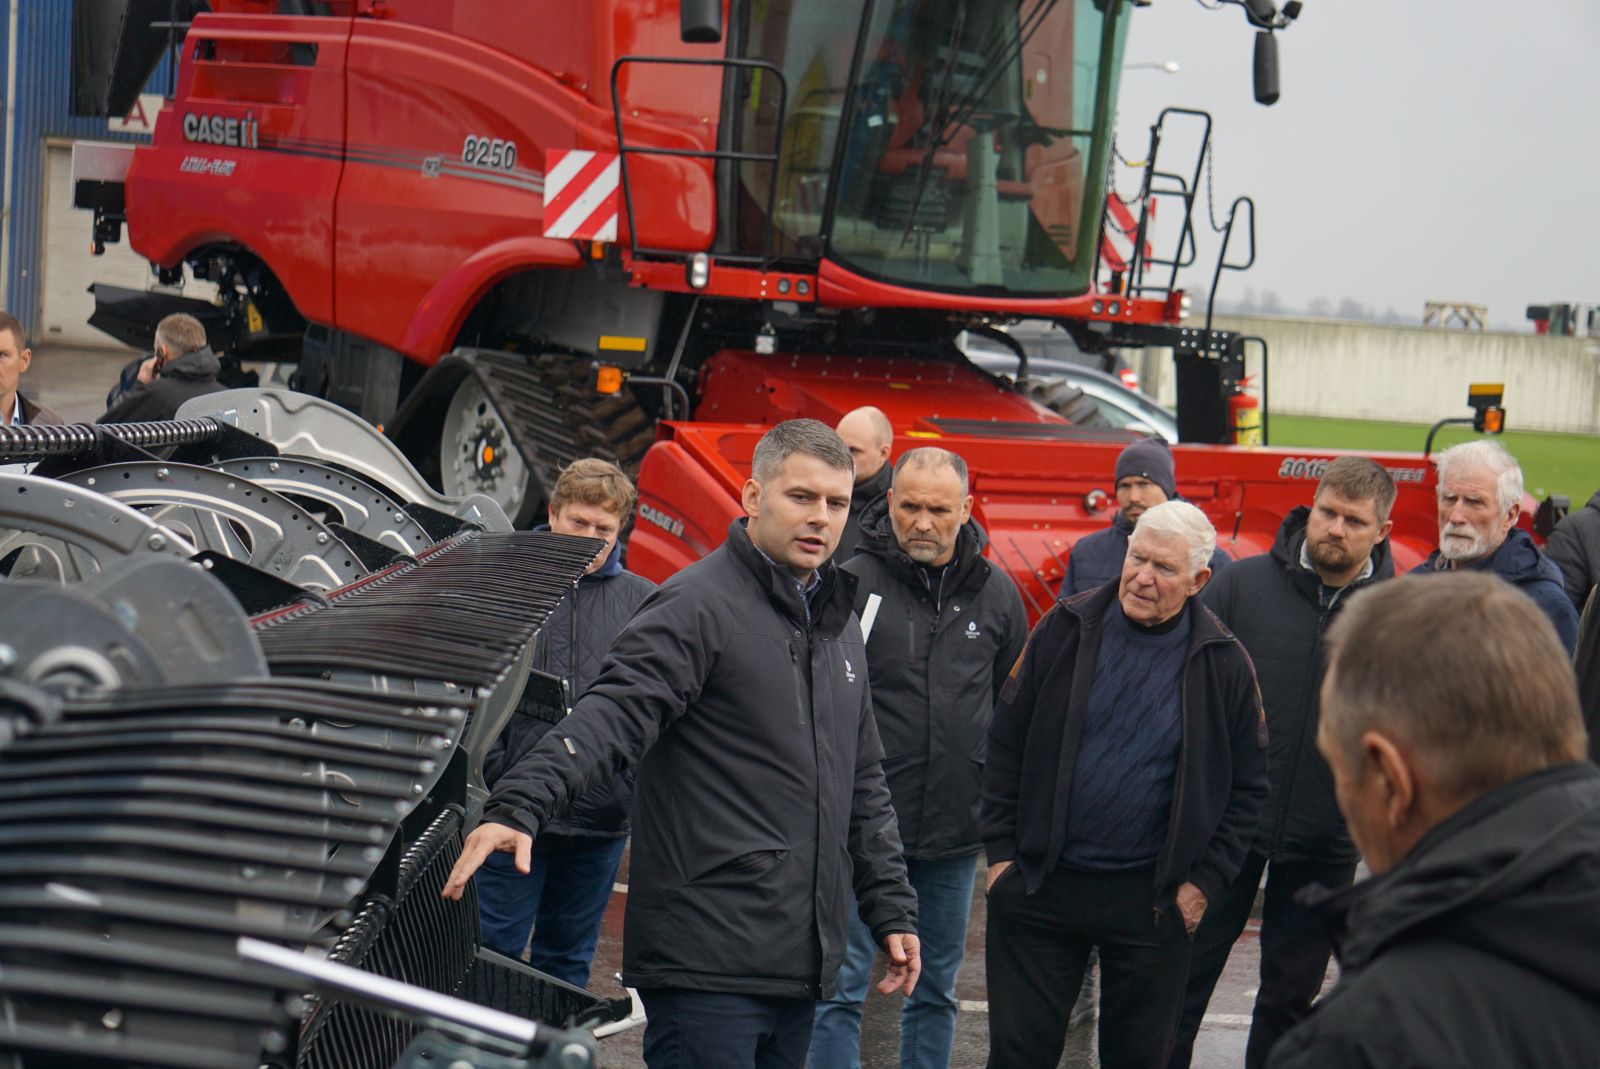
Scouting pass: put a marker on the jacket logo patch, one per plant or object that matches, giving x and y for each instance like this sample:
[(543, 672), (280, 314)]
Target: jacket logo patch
[(972, 629), (849, 673)]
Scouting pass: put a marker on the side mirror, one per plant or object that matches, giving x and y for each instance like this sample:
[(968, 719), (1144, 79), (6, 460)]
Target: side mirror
[(1266, 68), (700, 21)]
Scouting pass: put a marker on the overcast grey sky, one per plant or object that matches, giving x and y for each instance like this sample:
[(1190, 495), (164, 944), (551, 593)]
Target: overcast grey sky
[(1422, 149)]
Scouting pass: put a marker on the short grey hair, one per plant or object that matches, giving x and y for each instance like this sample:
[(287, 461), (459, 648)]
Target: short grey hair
[(811, 437), (1183, 519), (1482, 453), (931, 456), (181, 334)]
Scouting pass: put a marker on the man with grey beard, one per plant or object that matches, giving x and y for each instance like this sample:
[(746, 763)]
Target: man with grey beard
[(1480, 498)]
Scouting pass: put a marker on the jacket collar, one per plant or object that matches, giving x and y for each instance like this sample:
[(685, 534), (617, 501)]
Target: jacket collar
[(874, 487), (1516, 560), (200, 364), (831, 605), (877, 539), (1289, 549), (1091, 607)]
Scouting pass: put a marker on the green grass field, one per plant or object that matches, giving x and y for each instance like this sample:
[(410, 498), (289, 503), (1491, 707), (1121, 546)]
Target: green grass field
[(1551, 463)]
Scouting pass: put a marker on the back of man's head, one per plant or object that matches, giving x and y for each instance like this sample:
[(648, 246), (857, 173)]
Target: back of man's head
[(181, 334), (1462, 670), (1360, 479), (868, 434), (804, 436)]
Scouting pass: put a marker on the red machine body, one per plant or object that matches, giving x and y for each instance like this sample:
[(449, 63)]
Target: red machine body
[(377, 172)]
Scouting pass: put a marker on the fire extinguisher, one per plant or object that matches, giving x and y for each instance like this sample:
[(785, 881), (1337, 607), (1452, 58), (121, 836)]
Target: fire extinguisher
[(1244, 412)]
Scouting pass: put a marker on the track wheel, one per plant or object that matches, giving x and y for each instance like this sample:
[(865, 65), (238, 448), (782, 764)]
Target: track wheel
[(476, 454)]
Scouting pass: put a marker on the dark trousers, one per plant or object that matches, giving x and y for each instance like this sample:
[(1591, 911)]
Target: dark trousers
[(567, 887), (1294, 952), (720, 1030), (1038, 945)]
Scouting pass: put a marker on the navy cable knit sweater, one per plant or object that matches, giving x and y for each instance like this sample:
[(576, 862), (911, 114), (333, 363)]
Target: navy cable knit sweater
[(1121, 796)]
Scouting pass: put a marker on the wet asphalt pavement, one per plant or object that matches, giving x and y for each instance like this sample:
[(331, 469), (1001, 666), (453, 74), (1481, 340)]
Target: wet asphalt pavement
[(1220, 1045)]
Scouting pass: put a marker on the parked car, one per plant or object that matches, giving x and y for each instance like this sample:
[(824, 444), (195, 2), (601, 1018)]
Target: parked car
[(1080, 394)]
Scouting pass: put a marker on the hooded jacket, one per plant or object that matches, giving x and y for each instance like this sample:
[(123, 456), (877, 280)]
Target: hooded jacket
[(1272, 603), (1096, 559), (1519, 562), (860, 498), (36, 415), (572, 645), (1476, 951), (761, 802), (1222, 772), (1575, 547), (190, 375), (937, 658)]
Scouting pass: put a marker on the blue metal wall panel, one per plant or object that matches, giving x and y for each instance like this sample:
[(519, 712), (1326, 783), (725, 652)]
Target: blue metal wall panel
[(43, 99)]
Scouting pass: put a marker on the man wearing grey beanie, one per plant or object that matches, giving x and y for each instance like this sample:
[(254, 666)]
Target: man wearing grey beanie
[(1144, 477)]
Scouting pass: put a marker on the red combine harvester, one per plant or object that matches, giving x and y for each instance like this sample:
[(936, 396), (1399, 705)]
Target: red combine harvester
[(514, 234)]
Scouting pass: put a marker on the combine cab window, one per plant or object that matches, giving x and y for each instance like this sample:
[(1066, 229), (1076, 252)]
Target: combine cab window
[(813, 44), (974, 156)]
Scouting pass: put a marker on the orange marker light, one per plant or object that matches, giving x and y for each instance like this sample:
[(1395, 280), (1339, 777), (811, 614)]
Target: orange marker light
[(608, 379)]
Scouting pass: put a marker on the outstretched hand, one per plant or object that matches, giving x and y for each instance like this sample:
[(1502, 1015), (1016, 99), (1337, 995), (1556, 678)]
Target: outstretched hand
[(905, 963), (486, 839)]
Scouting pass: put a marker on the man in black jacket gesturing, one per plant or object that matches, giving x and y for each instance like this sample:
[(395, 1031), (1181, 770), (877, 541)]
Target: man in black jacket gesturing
[(1279, 605), (1457, 754), (944, 627), (740, 691), (575, 860), (1124, 780)]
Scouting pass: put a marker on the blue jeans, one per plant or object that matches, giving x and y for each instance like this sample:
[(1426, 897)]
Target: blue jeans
[(928, 1019), (721, 1030), (567, 888)]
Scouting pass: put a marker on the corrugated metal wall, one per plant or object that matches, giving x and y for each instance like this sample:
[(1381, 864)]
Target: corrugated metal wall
[(43, 98)]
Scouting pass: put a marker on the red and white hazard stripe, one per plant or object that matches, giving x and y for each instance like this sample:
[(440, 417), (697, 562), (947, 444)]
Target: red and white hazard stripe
[(1116, 242), (581, 194)]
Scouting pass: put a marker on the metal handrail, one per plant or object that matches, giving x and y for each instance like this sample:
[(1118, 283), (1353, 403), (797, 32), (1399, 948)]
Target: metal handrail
[(624, 150)]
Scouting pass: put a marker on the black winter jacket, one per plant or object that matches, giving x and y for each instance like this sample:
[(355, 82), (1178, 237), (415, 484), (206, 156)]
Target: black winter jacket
[(1096, 559), (1271, 604), (189, 376), (1519, 562), (937, 659), (1575, 547), (1476, 951), (761, 802), (860, 498), (572, 645), (1222, 770)]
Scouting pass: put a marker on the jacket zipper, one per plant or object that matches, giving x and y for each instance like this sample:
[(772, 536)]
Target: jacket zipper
[(1163, 866)]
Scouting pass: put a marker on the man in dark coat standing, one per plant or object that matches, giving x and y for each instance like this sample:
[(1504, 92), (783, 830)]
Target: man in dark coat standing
[(183, 367), (1575, 547), (869, 436), (944, 626), (1480, 498), (575, 861), (1144, 477), (1450, 720), (1279, 605), (1124, 781), (740, 692)]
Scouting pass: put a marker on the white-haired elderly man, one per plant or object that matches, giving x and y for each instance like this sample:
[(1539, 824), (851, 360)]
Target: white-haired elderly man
[(1126, 773), (1480, 498)]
